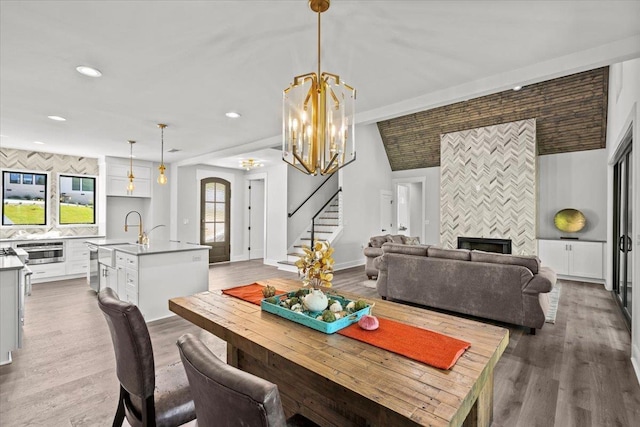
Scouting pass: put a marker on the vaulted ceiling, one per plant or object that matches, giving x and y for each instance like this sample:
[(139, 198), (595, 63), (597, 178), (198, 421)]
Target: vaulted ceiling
[(186, 63)]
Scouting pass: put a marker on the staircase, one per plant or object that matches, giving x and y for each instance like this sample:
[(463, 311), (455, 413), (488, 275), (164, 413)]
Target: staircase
[(328, 227)]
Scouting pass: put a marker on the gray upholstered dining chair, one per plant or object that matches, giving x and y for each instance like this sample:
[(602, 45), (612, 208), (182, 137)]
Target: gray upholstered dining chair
[(226, 396), (147, 397)]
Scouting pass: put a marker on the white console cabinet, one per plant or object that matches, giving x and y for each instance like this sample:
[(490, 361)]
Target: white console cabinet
[(573, 258)]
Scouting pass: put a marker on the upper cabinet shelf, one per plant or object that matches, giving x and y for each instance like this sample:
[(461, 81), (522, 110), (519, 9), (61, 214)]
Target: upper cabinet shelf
[(117, 177)]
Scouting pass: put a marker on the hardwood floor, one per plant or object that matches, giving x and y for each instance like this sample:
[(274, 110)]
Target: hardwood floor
[(574, 373)]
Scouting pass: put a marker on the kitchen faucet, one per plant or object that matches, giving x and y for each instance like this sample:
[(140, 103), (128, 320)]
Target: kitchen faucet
[(145, 235), (126, 225)]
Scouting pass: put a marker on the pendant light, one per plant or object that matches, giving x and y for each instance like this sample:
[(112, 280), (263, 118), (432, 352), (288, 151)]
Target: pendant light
[(318, 134), (162, 178), (130, 186)]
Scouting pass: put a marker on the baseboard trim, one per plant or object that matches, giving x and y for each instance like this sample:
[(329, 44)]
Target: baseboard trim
[(582, 279), (348, 264), (635, 355), (236, 258), (271, 262)]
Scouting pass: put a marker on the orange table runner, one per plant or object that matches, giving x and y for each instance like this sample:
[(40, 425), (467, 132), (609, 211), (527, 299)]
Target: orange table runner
[(423, 345), (251, 293)]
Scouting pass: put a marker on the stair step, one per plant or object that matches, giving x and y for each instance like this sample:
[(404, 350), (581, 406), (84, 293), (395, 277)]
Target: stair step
[(295, 254), (287, 263), (309, 238), (320, 232)]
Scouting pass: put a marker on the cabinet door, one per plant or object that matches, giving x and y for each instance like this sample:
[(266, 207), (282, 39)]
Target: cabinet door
[(555, 255), (586, 259), (121, 281)]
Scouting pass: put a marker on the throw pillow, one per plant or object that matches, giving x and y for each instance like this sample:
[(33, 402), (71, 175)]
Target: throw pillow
[(377, 241), (411, 240), (395, 238)]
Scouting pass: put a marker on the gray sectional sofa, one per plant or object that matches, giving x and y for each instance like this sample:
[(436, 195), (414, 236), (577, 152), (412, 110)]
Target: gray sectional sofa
[(507, 288)]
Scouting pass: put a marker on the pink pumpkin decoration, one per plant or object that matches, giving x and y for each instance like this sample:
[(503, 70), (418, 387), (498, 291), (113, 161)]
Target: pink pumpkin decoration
[(368, 323)]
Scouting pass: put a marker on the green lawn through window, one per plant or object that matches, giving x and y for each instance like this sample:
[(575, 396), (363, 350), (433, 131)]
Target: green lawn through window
[(72, 214), (25, 214)]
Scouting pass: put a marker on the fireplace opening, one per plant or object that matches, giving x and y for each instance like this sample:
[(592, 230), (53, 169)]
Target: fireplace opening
[(501, 246)]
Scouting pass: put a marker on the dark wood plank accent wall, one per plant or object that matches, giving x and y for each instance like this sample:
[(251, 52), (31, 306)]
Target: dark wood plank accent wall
[(570, 113)]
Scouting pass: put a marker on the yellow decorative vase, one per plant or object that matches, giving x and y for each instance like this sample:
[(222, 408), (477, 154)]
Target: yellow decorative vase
[(569, 220)]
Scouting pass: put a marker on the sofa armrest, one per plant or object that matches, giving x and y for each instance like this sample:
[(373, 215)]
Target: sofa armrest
[(380, 263), (542, 282), (372, 252)]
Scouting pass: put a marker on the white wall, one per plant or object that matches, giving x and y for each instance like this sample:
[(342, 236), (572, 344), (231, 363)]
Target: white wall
[(573, 180), (361, 183), (299, 187), (623, 112), (257, 218)]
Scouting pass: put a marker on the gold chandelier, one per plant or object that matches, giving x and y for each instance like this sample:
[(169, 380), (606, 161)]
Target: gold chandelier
[(318, 133), (249, 164), (162, 178), (130, 186)]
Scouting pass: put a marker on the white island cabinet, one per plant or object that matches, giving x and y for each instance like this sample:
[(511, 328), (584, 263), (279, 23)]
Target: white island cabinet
[(10, 307), (150, 276)]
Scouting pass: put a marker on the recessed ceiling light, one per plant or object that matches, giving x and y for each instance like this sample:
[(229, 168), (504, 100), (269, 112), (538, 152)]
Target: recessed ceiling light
[(517, 87), (57, 118), (38, 142), (232, 115), (88, 71)]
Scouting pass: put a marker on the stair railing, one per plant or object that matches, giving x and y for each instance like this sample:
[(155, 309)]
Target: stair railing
[(313, 220), (310, 196)]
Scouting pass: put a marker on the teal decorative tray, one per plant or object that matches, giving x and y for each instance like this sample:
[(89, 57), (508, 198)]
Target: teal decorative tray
[(308, 318)]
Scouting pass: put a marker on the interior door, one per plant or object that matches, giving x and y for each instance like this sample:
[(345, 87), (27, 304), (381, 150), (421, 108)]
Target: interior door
[(386, 212), (256, 219), (215, 195)]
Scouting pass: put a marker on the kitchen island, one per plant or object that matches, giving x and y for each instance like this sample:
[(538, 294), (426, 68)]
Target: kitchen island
[(150, 275)]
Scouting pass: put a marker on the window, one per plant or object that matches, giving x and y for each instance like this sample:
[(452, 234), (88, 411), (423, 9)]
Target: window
[(77, 200), (24, 198)]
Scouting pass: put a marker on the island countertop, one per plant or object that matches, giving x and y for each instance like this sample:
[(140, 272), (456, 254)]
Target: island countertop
[(157, 248), (10, 262)]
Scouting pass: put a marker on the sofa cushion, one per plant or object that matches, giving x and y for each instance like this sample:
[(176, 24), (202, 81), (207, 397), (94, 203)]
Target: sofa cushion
[(377, 241), (531, 262), (417, 250), (410, 240), (457, 254)]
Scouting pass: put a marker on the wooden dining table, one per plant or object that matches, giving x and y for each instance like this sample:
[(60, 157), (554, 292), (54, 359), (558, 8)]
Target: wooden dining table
[(338, 381)]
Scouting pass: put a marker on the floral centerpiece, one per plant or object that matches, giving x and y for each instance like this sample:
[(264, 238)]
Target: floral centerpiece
[(316, 268)]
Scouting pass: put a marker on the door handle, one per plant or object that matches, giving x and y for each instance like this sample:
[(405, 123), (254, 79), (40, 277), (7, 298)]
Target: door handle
[(621, 242), (629, 244), (384, 229)]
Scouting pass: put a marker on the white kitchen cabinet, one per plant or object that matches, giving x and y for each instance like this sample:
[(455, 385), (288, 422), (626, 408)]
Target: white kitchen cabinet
[(118, 173), (76, 254), (573, 258), (9, 313), (48, 272), (108, 277), (127, 266)]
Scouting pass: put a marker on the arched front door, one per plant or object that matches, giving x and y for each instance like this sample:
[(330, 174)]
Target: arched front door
[(215, 194)]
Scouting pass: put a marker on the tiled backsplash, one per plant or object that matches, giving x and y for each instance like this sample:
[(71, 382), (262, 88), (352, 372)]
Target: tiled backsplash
[(53, 163)]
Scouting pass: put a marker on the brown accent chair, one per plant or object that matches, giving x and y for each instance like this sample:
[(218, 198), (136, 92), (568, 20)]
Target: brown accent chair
[(147, 397), (227, 396)]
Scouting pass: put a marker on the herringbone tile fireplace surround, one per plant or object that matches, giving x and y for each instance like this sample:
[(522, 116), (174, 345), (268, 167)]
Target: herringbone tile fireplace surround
[(488, 185)]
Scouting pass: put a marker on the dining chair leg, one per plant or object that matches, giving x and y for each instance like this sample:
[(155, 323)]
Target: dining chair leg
[(119, 418)]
